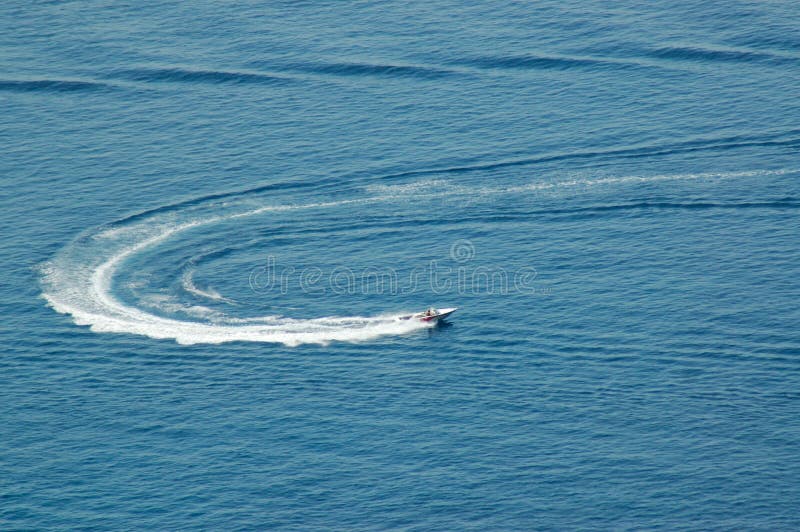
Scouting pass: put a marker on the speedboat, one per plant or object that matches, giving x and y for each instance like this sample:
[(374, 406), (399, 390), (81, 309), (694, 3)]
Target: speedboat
[(430, 315)]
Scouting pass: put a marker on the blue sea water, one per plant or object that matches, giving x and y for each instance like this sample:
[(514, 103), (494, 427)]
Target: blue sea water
[(213, 214)]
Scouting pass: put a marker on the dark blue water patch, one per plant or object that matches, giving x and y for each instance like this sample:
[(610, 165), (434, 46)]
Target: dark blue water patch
[(359, 69), (384, 226), (53, 85), (700, 145), (786, 138), (691, 53), (784, 203), (279, 186), (540, 62), (785, 42), (209, 256), (185, 75)]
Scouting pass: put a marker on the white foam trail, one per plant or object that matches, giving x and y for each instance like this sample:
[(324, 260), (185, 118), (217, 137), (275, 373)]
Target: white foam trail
[(599, 181), (84, 290), (78, 281), (187, 282), (170, 304), (439, 187)]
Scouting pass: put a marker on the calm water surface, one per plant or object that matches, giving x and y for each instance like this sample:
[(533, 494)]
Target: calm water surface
[(213, 214)]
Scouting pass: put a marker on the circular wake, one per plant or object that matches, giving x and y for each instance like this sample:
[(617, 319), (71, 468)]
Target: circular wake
[(79, 280)]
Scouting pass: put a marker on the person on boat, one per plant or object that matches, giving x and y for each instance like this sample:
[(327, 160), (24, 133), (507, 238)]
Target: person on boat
[(430, 312)]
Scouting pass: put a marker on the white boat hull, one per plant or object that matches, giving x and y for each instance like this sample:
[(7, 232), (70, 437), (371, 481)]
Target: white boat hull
[(440, 314)]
